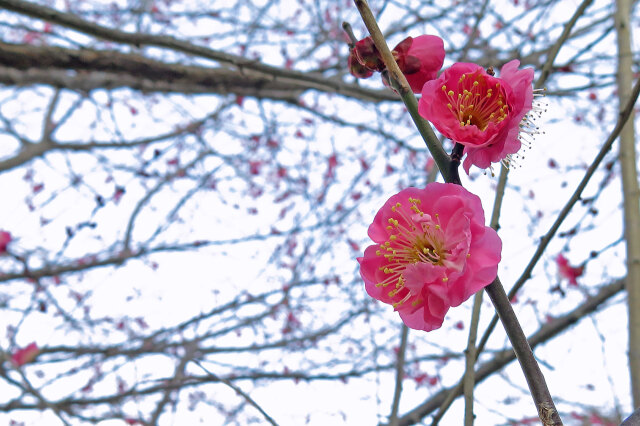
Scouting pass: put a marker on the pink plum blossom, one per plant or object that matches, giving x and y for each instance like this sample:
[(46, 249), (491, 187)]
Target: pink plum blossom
[(480, 111), (5, 239), (432, 252), (25, 355)]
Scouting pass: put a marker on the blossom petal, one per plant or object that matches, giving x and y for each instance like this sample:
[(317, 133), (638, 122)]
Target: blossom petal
[(429, 50)]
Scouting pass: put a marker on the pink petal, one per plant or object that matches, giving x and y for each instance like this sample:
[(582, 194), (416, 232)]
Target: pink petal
[(25, 355)]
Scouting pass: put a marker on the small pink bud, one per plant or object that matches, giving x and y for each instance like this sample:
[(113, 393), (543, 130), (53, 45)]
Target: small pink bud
[(5, 239), (25, 355)]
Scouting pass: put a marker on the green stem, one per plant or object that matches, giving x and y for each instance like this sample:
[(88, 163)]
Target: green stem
[(470, 360), (400, 84), (352, 37)]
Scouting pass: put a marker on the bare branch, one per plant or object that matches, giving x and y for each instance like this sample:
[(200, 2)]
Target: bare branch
[(243, 66)]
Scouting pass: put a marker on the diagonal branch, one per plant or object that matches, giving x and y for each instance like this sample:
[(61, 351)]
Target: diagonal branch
[(241, 393), (502, 358), (575, 197), (546, 239)]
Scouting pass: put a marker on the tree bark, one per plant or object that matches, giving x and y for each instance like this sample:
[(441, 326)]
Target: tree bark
[(631, 194)]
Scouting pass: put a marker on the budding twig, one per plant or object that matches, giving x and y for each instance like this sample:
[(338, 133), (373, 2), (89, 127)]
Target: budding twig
[(402, 86), (352, 37)]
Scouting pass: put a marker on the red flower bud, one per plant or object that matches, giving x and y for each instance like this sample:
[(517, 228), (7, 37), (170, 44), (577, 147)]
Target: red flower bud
[(368, 55), (356, 68)]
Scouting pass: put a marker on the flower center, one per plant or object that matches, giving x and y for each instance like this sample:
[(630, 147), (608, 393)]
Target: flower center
[(477, 100), (415, 237)]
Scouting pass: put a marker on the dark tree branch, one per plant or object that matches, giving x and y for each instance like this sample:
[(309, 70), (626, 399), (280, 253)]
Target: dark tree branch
[(243, 67), (633, 419), (500, 359), (535, 379), (575, 197)]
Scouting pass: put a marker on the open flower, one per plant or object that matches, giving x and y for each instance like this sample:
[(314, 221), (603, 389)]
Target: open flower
[(480, 111), (432, 252), (418, 58)]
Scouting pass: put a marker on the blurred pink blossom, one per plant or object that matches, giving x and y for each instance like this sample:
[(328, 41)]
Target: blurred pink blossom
[(5, 239), (25, 355), (567, 271)]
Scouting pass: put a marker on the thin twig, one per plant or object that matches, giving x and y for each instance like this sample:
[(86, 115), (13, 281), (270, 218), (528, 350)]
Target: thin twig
[(470, 360), (553, 52), (29, 387), (497, 202), (393, 418), (468, 379), (238, 391), (352, 37), (473, 34)]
